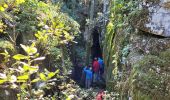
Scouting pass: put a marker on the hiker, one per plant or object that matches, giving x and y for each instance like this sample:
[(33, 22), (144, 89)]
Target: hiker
[(89, 76), (95, 70), (101, 69), (83, 76)]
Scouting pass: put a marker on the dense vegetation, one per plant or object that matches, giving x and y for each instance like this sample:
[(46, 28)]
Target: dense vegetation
[(33, 31), (42, 41)]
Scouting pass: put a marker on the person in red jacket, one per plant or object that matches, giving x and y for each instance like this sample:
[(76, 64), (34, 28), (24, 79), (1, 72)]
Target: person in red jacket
[(96, 67), (100, 95)]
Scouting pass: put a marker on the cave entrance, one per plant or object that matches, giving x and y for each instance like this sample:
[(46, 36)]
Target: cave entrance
[(96, 49)]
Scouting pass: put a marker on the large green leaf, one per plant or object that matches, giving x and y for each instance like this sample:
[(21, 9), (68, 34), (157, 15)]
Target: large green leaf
[(43, 77), (26, 67), (20, 56), (23, 77)]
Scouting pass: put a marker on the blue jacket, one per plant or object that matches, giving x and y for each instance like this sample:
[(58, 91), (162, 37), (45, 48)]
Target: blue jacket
[(101, 63), (89, 74)]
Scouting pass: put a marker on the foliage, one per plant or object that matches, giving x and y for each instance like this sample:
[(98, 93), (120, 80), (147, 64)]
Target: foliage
[(118, 29), (18, 76), (43, 25), (51, 27)]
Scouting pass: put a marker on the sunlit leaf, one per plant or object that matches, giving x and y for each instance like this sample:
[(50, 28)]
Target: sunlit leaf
[(5, 5), (23, 77), (20, 56), (35, 80), (51, 74), (32, 50), (43, 77), (19, 1), (26, 67)]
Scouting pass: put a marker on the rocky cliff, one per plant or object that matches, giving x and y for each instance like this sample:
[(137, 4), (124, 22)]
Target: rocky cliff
[(137, 58)]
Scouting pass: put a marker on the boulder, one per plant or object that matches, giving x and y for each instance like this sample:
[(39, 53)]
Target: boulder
[(154, 17)]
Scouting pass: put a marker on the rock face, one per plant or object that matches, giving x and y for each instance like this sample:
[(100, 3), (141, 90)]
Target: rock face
[(138, 62), (156, 17)]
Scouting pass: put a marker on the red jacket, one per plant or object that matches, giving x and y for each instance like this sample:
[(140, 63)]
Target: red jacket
[(100, 95), (96, 66)]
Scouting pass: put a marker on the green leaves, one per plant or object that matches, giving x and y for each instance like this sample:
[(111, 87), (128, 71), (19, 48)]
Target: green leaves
[(48, 75), (29, 50), (3, 7), (19, 1), (51, 74), (54, 27)]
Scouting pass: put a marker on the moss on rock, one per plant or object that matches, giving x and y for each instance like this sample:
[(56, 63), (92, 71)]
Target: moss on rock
[(151, 77)]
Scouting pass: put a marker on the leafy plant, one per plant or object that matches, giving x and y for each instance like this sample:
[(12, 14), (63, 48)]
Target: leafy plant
[(18, 76)]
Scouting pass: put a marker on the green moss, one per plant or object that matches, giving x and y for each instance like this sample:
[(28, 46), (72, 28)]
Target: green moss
[(149, 60), (150, 78), (166, 56)]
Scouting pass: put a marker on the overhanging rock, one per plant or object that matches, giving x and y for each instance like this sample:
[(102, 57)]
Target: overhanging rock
[(155, 17)]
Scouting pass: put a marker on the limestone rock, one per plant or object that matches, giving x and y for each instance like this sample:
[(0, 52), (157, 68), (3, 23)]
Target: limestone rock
[(154, 18)]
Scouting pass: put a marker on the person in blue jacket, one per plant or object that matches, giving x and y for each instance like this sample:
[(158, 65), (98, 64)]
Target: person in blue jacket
[(89, 76), (101, 68)]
